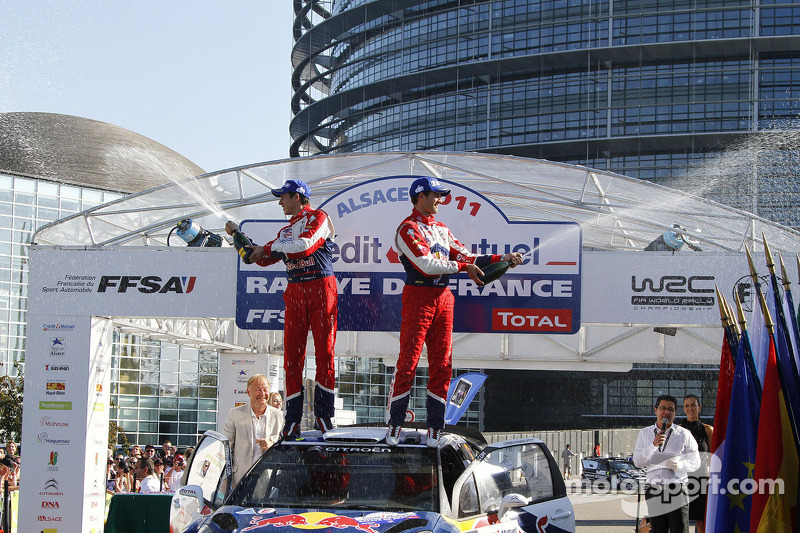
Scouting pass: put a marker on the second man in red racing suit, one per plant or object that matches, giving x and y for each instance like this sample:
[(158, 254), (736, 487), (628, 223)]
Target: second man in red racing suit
[(429, 254), (305, 245)]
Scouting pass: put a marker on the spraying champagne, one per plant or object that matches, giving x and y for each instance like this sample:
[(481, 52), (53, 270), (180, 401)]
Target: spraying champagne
[(240, 241), (493, 271)]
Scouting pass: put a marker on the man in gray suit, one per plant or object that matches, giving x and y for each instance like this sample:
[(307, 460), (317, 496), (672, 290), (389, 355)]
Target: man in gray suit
[(252, 428)]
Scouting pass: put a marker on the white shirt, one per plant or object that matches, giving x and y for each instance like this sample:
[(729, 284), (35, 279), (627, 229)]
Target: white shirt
[(173, 480), (150, 485), (260, 432), (679, 445)]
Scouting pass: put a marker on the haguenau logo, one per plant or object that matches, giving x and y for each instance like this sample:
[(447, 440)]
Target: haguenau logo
[(147, 284)]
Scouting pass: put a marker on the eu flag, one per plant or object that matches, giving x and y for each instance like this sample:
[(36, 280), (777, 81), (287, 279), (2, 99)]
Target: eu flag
[(730, 507)]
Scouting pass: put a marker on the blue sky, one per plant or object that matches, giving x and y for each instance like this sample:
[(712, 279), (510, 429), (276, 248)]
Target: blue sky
[(210, 80)]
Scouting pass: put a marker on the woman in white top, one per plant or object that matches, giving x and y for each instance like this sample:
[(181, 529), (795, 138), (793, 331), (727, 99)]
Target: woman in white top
[(172, 478)]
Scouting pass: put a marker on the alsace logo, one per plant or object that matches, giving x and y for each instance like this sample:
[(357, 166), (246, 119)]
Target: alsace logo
[(147, 284), (46, 422), (680, 291), (57, 347), (42, 518)]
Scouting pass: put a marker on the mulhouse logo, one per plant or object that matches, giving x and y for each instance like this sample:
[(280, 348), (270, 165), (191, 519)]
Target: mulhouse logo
[(147, 284)]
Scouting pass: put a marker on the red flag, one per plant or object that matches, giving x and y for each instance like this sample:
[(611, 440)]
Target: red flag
[(776, 469), (727, 369)]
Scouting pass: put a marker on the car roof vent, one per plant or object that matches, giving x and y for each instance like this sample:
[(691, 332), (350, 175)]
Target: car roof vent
[(362, 434)]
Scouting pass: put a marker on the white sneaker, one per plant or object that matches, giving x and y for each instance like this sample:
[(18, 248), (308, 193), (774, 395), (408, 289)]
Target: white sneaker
[(393, 435), (434, 434)]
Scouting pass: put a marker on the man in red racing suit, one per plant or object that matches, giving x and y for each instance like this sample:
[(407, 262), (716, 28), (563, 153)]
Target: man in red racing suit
[(429, 254), (305, 245)]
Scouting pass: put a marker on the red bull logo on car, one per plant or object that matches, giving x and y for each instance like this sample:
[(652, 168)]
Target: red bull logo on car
[(313, 520)]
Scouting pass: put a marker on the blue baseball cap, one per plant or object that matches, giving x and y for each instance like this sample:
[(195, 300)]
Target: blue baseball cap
[(427, 184), (297, 186)]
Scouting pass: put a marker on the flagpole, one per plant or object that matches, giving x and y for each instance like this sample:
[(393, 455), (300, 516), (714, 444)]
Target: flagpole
[(788, 382), (727, 322), (757, 286), (792, 314)]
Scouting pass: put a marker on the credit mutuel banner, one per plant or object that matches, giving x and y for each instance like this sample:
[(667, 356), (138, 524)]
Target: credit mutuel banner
[(542, 295)]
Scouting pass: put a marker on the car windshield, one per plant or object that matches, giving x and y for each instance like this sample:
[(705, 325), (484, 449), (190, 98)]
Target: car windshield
[(345, 477), (622, 465)]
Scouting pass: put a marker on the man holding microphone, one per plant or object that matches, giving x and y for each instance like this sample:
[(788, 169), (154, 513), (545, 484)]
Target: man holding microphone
[(668, 452)]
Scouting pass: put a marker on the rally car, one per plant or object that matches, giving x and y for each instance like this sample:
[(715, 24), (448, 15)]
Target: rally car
[(348, 480)]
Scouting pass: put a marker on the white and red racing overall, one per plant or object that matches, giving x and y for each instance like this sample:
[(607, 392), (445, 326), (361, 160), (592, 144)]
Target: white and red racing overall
[(305, 245), (429, 253)]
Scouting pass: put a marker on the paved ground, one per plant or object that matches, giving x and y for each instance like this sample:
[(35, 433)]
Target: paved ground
[(614, 512)]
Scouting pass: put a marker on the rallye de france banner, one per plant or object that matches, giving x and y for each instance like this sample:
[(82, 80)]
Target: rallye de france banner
[(542, 295)]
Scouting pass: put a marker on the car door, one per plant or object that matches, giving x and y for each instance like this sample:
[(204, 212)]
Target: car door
[(206, 481), (513, 482)]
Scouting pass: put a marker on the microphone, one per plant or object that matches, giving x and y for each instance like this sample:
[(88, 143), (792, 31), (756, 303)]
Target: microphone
[(664, 423)]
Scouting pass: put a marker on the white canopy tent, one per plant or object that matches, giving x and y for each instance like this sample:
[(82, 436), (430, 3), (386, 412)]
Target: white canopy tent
[(617, 214)]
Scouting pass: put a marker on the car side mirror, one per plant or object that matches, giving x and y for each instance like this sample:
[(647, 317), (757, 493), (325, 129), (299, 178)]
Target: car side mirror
[(511, 501)]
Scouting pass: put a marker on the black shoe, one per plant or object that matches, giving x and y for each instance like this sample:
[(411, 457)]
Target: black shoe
[(323, 424), (291, 431)]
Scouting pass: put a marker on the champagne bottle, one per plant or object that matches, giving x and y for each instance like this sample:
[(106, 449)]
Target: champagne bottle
[(493, 271), (240, 241)]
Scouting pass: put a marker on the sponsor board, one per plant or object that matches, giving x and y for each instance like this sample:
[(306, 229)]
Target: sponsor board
[(370, 277)]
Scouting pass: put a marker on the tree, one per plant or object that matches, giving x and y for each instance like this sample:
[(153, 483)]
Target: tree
[(116, 435), (11, 405)]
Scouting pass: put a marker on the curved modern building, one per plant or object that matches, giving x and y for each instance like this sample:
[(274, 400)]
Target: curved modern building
[(669, 91)]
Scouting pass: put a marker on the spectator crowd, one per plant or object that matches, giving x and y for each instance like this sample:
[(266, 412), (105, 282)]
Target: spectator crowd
[(148, 470)]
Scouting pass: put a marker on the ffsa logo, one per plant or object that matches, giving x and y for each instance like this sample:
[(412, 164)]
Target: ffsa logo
[(147, 284)]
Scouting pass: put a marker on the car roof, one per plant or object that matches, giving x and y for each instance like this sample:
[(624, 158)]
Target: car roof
[(375, 434)]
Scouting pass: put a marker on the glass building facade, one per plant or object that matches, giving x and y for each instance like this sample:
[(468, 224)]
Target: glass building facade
[(158, 390), (676, 92), (27, 203)]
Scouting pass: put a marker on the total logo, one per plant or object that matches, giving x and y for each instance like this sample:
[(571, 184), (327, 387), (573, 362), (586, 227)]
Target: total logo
[(147, 284), (544, 320)]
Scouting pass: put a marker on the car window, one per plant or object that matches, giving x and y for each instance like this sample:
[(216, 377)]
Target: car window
[(452, 467), (522, 469), (349, 477), (468, 499), (622, 465)]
